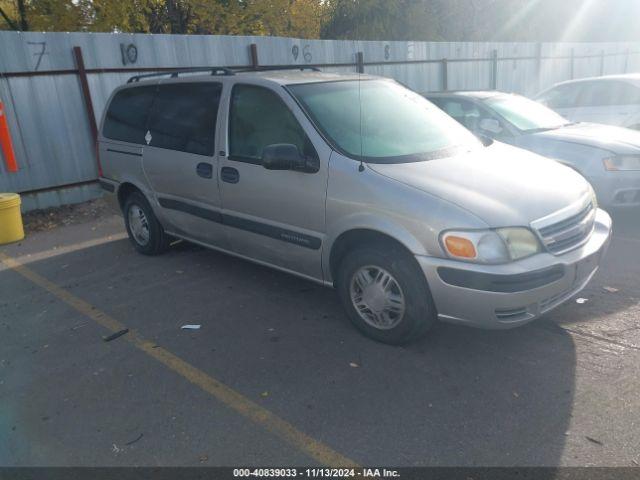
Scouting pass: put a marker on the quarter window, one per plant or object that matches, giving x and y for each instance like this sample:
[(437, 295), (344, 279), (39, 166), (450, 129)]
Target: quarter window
[(126, 118), (258, 117), (183, 117)]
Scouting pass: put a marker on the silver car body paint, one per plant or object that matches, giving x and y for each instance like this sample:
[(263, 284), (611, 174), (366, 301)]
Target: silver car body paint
[(582, 146)]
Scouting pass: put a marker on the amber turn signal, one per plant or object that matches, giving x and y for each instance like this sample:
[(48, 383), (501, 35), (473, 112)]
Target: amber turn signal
[(460, 247)]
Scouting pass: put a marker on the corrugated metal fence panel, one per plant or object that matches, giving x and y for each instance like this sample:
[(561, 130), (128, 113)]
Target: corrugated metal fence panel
[(47, 115)]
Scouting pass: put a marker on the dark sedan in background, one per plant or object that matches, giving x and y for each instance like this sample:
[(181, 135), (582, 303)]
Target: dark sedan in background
[(609, 157)]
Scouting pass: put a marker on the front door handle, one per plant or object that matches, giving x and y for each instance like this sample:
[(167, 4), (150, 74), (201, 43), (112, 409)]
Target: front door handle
[(229, 175), (204, 170)]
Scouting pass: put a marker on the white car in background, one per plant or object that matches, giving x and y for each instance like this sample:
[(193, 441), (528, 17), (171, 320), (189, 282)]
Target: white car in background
[(612, 100)]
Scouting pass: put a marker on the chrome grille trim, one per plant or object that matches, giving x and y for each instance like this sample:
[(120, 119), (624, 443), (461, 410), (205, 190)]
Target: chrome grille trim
[(568, 233)]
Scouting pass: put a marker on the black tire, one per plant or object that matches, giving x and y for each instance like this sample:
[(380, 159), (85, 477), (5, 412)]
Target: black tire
[(158, 241), (419, 312)]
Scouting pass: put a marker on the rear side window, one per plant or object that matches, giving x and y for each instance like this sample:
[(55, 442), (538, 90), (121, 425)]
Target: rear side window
[(126, 118), (183, 117), (258, 117)]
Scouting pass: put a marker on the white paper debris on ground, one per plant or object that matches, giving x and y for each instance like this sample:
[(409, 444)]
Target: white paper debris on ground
[(582, 300), (353, 365), (610, 289), (190, 327)]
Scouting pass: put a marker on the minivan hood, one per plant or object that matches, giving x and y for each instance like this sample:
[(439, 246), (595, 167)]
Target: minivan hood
[(615, 139), (501, 184)]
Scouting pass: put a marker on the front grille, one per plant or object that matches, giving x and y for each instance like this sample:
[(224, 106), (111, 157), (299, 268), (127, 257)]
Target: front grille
[(570, 233)]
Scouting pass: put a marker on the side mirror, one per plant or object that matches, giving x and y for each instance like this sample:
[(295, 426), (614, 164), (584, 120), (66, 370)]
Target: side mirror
[(490, 125), (486, 141), (286, 156)]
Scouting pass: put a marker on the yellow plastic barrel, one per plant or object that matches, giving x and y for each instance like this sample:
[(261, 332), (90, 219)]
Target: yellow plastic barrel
[(10, 218)]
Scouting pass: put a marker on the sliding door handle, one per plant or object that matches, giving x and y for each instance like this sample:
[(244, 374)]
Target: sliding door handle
[(229, 175)]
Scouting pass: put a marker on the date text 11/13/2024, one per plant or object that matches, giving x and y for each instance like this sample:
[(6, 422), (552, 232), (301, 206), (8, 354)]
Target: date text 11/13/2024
[(315, 472)]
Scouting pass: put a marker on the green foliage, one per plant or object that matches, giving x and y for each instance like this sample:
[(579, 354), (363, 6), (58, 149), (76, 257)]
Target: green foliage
[(445, 20), (301, 18)]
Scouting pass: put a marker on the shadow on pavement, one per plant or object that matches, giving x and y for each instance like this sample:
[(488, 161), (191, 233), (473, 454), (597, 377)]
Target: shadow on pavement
[(459, 397)]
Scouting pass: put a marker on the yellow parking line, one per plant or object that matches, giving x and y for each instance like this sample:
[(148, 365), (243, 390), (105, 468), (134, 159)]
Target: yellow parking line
[(63, 250), (236, 401)]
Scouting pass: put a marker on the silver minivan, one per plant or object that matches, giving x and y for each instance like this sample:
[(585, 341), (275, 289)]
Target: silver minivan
[(354, 182)]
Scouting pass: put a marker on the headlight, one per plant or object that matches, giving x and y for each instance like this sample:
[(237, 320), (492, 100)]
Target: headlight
[(490, 246), (622, 162)]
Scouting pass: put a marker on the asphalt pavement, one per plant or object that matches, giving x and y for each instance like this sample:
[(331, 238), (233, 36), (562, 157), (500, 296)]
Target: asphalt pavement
[(277, 376)]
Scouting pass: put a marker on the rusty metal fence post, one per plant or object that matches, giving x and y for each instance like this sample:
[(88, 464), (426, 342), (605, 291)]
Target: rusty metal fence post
[(86, 93), (253, 51), (572, 59), (494, 70), (360, 62), (445, 74)]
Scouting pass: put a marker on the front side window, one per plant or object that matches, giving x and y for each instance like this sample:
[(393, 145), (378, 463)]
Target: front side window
[(126, 118), (471, 116), (257, 118), (467, 113), (562, 96), (380, 121), (525, 114), (183, 117)]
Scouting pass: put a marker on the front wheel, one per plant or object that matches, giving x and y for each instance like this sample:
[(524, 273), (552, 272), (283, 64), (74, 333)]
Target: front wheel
[(386, 295), (144, 229)]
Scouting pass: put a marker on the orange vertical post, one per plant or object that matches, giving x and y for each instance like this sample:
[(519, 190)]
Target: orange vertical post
[(5, 142)]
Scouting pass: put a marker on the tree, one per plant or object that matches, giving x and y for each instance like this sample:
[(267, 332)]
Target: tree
[(13, 15), (450, 20), (229, 17), (47, 15), (380, 20)]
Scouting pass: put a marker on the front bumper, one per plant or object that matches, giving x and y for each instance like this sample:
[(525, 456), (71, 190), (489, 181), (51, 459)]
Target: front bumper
[(505, 296), (617, 189)]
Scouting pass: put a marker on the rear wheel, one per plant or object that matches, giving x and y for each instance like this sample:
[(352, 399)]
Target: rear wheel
[(385, 294), (144, 229)]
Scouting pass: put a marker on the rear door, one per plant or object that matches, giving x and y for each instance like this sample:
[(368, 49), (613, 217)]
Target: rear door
[(180, 159), (273, 216), (122, 135)]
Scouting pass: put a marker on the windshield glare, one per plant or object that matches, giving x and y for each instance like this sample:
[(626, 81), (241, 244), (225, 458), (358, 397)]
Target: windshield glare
[(526, 114), (379, 120)]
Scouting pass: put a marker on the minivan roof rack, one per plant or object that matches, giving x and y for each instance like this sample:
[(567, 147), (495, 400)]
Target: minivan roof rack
[(176, 73), (279, 67)]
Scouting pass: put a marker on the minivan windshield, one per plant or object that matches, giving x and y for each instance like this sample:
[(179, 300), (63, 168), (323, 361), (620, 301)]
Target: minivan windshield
[(380, 121), (525, 114)]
